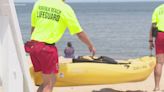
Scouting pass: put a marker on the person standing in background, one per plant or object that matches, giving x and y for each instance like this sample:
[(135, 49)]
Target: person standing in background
[(69, 51), (157, 30), (49, 20)]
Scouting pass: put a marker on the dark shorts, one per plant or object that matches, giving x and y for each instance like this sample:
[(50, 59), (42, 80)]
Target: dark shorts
[(44, 58), (159, 43)]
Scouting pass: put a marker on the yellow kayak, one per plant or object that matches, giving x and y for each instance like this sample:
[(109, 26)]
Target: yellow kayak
[(75, 74)]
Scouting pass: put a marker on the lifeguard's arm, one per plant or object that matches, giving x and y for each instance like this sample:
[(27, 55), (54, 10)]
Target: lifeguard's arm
[(33, 18), (151, 40), (75, 28), (32, 29), (153, 28), (84, 38)]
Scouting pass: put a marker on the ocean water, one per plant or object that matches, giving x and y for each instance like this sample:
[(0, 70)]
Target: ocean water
[(118, 30)]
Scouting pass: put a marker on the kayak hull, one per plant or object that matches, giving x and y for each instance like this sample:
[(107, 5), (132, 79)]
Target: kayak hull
[(76, 74)]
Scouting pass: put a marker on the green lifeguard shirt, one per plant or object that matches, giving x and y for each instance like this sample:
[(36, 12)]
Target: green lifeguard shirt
[(158, 17), (51, 18)]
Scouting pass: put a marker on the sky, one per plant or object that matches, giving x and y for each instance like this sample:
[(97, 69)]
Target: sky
[(91, 0)]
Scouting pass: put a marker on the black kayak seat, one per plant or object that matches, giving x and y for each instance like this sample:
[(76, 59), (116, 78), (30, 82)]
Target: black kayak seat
[(101, 59)]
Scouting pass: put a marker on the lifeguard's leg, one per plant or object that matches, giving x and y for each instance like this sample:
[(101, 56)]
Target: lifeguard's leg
[(48, 83), (158, 71)]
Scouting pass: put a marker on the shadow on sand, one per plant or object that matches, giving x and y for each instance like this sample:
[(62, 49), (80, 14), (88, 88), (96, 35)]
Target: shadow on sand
[(113, 90)]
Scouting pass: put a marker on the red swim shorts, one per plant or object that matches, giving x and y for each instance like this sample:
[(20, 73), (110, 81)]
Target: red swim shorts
[(44, 58), (159, 43)]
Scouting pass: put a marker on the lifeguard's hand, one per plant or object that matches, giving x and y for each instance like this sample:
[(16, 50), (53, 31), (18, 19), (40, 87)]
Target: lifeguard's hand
[(151, 45), (92, 50)]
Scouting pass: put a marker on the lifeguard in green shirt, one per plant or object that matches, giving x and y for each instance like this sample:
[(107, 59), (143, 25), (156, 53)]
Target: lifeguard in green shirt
[(50, 18), (157, 28)]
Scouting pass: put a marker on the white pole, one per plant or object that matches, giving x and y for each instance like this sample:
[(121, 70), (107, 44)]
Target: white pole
[(28, 86), (12, 55)]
